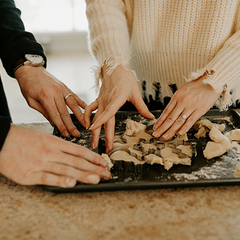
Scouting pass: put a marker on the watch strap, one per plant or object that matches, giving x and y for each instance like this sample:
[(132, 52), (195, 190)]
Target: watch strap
[(20, 62)]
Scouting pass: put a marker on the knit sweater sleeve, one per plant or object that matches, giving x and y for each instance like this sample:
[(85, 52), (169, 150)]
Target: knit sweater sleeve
[(223, 72), (108, 33)]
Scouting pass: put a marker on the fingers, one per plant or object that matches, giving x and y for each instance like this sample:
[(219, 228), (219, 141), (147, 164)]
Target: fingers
[(49, 179), (77, 168), (107, 114), (166, 114), (95, 138), (171, 126), (141, 106), (73, 104), (109, 127), (37, 106), (189, 122), (88, 112), (76, 150)]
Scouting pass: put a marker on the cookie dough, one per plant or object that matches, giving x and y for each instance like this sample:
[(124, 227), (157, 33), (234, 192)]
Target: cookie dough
[(133, 127), (124, 156), (110, 164), (233, 135), (152, 159), (169, 158), (219, 146)]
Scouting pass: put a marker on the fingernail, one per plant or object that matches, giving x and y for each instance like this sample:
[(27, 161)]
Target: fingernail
[(76, 132), (93, 179), (181, 133), (155, 134), (106, 175), (91, 126), (93, 145), (152, 115), (107, 150), (104, 163), (165, 136), (71, 182), (66, 134)]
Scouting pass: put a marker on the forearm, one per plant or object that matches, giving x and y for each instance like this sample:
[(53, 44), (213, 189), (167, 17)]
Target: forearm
[(223, 71), (109, 36)]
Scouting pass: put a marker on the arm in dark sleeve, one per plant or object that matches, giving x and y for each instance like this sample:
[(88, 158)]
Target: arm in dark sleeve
[(15, 42), (5, 119)]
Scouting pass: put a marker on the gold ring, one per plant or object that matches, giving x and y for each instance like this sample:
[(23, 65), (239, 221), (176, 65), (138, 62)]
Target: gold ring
[(69, 95), (184, 116)]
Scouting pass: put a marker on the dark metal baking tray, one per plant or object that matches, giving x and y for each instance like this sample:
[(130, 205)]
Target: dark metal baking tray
[(202, 172)]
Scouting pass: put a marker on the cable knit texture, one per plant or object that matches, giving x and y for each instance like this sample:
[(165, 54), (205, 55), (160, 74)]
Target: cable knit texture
[(169, 42)]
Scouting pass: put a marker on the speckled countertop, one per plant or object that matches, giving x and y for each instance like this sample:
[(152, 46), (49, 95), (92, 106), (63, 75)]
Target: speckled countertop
[(183, 213)]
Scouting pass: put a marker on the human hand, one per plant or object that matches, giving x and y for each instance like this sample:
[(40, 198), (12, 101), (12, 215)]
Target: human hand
[(31, 156), (46, 94), (187, 105), (116, 89)]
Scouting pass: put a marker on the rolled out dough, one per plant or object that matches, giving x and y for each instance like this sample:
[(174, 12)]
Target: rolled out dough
[(124, 156)]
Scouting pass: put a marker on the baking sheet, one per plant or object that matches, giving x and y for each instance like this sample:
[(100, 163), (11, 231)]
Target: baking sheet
[(202, 172)]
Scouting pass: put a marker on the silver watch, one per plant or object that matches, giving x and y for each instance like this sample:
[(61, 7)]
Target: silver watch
[(35, 60), (28, 59)]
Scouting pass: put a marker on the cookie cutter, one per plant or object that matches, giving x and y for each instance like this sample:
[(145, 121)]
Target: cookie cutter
[(139, 147), (180, 142), (120, 166), (149, 129)]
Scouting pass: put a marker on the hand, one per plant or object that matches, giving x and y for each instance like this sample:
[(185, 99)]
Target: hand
[(30, 156), (187, 105), (116, 89), (46, 94)]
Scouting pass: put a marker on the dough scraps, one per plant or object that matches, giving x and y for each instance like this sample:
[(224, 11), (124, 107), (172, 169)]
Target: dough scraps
[(233, 135), (133, 127), (219, 146), (203, 126), (110, 164)]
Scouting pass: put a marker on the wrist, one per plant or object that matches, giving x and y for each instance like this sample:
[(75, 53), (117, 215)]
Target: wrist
[(28, 60)]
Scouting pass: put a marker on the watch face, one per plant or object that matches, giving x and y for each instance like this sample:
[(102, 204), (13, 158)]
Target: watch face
[(35, 59)]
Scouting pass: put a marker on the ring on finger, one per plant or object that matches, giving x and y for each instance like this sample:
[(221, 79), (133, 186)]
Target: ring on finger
[(69, 95), (184, 116)]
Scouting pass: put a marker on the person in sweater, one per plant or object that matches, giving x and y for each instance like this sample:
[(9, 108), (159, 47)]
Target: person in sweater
[(182, 56), (29, 156)]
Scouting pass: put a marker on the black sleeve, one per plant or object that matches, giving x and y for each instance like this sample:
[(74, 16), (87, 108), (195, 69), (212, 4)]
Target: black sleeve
[(5, 119), (5, 123), (15, 42)]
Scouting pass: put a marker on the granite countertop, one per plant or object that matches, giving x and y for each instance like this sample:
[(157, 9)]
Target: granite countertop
[(30, 212)]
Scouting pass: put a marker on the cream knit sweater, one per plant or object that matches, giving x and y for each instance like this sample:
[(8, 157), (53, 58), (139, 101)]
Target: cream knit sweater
[(170, 42)]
